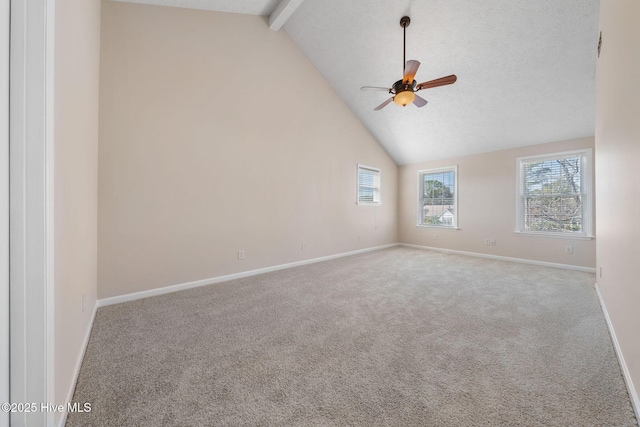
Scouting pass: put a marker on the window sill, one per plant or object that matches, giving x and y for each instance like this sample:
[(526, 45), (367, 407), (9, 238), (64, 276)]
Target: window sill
[(369, 203), (442, 227), (556, 235)]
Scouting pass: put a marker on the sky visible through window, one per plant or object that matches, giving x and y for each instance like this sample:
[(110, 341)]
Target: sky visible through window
[(438, 195), (553, 195)]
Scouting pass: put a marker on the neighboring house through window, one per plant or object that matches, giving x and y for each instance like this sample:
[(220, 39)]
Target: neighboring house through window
[(555, 194), (437, 197), (368, 185)]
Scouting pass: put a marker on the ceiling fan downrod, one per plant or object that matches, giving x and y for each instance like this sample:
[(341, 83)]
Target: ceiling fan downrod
[(404, 23)]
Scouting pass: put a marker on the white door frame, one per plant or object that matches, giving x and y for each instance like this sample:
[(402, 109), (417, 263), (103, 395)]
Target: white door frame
[(4, 209), (31, 208)]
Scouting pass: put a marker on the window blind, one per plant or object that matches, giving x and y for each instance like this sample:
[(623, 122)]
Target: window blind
[(437, 197), (368, 185), (555, 193)]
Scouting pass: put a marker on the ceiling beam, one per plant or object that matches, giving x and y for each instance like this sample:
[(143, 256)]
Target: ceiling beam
[(282, 13)]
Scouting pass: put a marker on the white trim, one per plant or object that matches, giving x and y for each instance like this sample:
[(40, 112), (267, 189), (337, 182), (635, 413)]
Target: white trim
[(455, 225), (503, 258), (76, 370), (586, 171), (554, 156), (282, 13), (559, 235), (31, 214), (633, 394), (372, 169), (49, 143), (180, 287), (4, 208)]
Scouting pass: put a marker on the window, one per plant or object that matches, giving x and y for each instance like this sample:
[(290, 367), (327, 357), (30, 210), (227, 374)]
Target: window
[(368, 185), (437, 197), (555, 194)]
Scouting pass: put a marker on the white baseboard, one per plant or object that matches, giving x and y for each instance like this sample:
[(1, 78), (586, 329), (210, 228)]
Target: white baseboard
[(204, 282), (180, 287), (633, 394), (503, 258), (76, 369)]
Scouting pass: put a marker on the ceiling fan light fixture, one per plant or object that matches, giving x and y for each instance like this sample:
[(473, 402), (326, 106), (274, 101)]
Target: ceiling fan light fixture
[(404, 90), (404, 98)]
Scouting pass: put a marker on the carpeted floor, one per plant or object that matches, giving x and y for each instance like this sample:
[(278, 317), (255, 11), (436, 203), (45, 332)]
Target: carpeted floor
[(397, 337)]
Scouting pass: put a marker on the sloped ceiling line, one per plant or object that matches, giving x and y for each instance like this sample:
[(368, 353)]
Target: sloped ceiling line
[(525, 69)]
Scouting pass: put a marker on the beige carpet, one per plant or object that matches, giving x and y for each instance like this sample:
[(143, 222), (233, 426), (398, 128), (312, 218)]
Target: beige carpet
[(398, 337)]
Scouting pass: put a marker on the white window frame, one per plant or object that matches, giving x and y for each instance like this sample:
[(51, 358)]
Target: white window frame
[(454, 223), (375, 202), (586, 180)]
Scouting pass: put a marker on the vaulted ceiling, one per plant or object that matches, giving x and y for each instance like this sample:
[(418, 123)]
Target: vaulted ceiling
[(526, 69)]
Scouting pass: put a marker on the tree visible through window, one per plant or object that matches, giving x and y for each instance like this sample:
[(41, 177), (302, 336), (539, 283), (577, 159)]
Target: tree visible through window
[(555, 193), (437, 197)]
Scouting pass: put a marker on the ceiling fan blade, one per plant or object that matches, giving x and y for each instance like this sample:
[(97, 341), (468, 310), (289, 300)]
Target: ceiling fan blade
[(375, 88), (384, 104), (419, 101), (410, 70), (442, 81)]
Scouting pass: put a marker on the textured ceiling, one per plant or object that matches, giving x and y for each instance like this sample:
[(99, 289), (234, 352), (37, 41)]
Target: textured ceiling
[(526, 69), (249, 7)]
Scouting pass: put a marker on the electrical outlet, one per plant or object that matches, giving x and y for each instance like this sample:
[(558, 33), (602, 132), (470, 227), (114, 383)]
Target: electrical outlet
[(493, 242), (568, 249), (601, 272), (358, 237), (84, 302), (240, 254), (302, 246)]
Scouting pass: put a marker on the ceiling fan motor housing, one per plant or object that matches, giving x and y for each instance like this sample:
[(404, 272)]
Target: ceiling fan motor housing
[(403, 92)]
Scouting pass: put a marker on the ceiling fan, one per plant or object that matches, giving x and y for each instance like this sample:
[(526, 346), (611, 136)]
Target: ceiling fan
[(404, 91)]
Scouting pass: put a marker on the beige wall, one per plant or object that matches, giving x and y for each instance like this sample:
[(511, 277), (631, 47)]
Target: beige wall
[(77, 47), (618, 175), (487, 209), (217, 134)]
